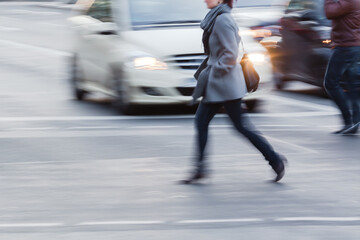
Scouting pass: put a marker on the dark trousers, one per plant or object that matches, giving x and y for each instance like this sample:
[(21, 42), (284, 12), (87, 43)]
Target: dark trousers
[(206, 112), (343, 66)]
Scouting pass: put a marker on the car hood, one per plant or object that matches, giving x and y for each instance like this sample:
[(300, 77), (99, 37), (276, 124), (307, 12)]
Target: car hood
[(258, 16), (167, 41)]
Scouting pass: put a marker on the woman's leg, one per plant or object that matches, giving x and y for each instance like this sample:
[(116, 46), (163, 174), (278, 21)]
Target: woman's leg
[(204, 114), (243, 125)]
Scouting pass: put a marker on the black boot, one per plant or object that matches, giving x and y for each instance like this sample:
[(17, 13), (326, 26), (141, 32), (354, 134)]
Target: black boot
[(344, 130), (198, 175), (351, 130), (278, 166)]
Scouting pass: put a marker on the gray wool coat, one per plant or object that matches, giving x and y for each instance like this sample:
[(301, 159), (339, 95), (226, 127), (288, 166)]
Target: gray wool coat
[(220, 77)]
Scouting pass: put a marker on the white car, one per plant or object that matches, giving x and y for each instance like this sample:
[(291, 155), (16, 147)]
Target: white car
[(145, 52)]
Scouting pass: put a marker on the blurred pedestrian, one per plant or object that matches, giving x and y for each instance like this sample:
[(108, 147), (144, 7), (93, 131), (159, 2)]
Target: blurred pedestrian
[(221, 84), (345, 16)]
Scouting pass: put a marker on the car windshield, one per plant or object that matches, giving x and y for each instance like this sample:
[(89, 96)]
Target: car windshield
[(298, 5), (316, 5), (157, 12)]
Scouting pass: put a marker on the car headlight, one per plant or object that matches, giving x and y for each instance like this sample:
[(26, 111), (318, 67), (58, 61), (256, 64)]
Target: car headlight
[(256, 58), (149, 63), (143, 61)]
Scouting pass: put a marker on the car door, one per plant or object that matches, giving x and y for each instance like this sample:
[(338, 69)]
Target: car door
[(98, 40), (298, 35)]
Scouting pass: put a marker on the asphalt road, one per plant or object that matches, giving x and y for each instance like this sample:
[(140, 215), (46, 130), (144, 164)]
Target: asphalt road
[(79, 170)]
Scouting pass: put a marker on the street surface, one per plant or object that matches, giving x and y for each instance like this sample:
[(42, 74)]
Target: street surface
[(80, 170)]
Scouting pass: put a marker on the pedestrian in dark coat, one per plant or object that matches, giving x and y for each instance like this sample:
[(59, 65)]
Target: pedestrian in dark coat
[(221, 84), (343, 63)]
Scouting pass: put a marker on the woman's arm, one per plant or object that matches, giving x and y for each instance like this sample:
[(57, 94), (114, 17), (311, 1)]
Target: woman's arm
[(225, 31)]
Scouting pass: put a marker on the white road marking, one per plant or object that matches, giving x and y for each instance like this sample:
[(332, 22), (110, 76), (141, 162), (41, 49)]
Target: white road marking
[(79, 133), (192, 222), (23, 11), (69, 118), (302, 103), (102, 160), (177, 126), (55, 94), (8, 18), (276, 128), (107, 133), (100, 223), (2, 28), (295, 114), (318, 219), (278, 125), (152, 127), (178, 196), (29, 225), (55, 25), (293, 146), (221, 126), (16, 3), (294, 130), (34, 129), (146, 159), (280, 128), (31, 3), (105, 118), (31, 47), (94, 127), (237, 220), (29, 163), (217, 156)]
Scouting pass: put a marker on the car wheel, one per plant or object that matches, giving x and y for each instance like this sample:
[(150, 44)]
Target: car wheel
[(279, 81), (251, 104), (278, 70), (75, 79), (121, 101)]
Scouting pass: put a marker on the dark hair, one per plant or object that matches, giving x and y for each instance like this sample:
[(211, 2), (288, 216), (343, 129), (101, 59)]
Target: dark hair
[(229, 2)]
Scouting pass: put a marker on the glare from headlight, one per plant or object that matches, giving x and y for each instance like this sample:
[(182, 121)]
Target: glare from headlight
[(261, 33), (256, 57), (245, 33), (257, 33), (149, 63)]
